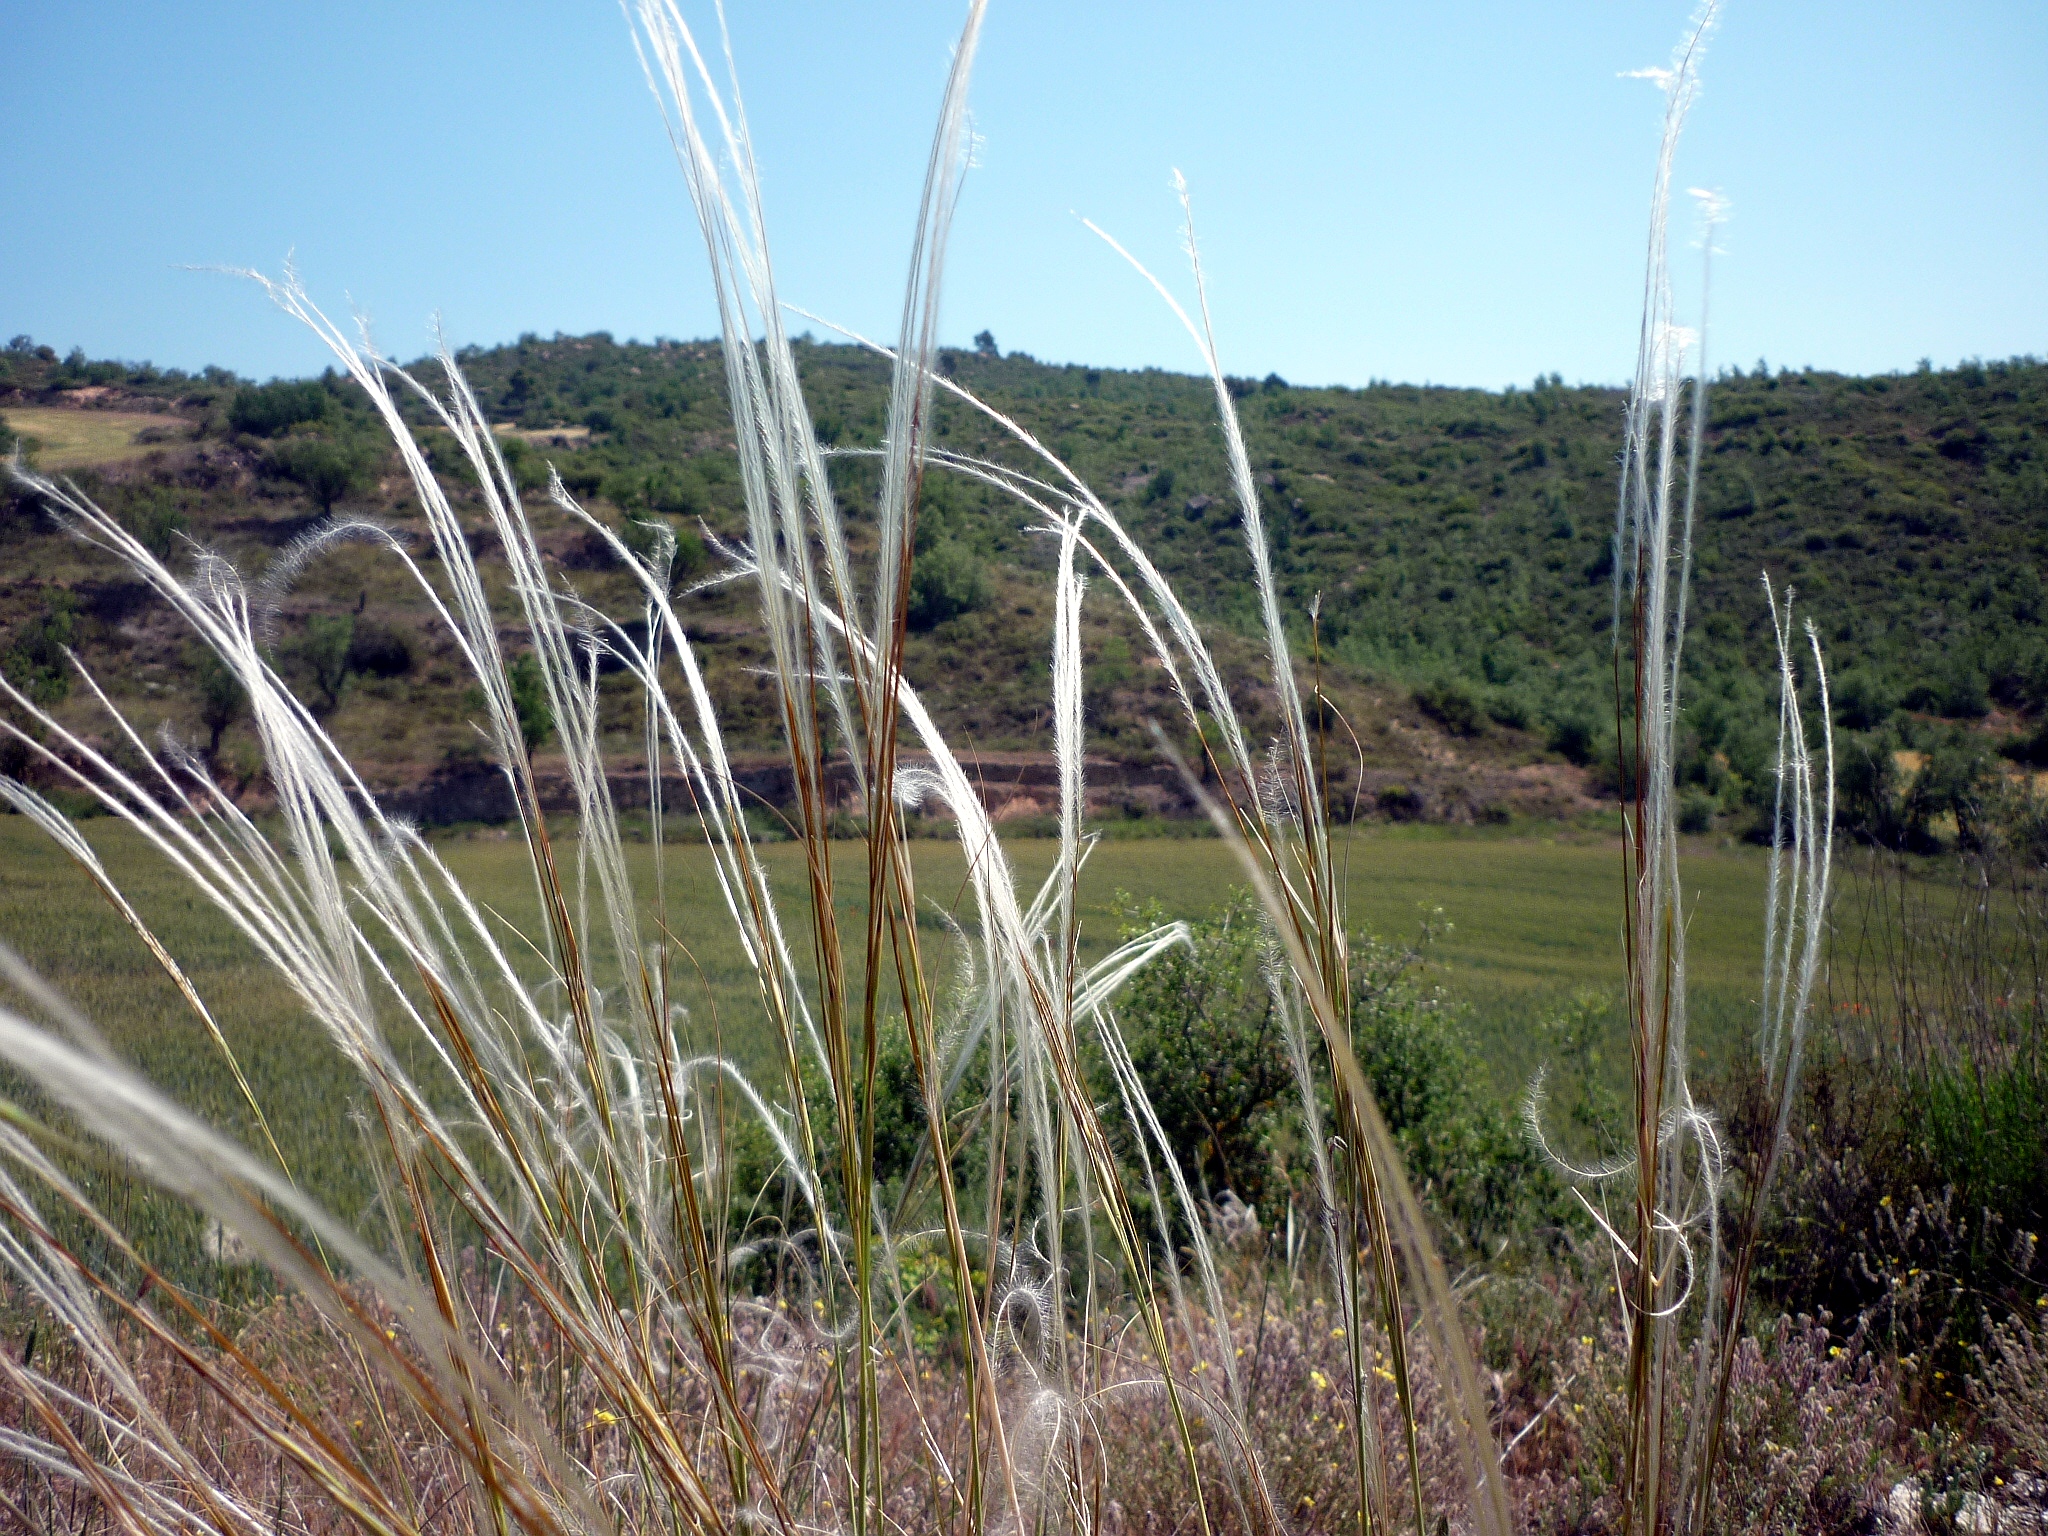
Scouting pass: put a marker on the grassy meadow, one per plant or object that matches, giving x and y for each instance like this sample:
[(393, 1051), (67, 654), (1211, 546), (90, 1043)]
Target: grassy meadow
[(1527, 919), (75, 439)]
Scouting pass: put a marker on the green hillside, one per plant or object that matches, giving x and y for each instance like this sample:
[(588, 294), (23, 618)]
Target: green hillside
[(1459, 540)]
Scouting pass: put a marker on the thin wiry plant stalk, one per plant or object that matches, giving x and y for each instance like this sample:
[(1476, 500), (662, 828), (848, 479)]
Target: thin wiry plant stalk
[(1796, 925), (1291, 833), (1290, 828), (1678, 1166), (1653, 928)]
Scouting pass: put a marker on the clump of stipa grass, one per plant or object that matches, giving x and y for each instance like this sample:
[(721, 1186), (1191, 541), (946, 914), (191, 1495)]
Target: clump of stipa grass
[(575, 1154), (1671, 1243)]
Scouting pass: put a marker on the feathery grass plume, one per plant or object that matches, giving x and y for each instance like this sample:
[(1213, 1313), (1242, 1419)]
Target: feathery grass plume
[(1678, 1170), (1795, 927), (1666, 1125), (1031, 1013), (1373, 1224), (1280, 805), (1277, 817)]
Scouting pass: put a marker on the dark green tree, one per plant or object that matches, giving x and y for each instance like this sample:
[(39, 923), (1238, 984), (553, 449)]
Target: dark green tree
[(325, 471), (1464, 1153), (945, 581), (325, 651), (1861, 700), (1871, 796), (1451, 704), (1207, 1045), (377, 650), (530, 702), (222, 699), (946, 577), (642, 535), (1956, 782)]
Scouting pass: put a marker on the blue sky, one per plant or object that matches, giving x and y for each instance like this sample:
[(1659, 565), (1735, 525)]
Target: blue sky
[(1451, 192)]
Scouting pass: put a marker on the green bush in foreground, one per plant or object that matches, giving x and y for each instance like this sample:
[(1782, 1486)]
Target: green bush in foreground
[(1206, 1037)]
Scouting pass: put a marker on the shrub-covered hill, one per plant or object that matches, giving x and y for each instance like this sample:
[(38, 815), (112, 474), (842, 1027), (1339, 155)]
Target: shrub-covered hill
[(1459, 540)]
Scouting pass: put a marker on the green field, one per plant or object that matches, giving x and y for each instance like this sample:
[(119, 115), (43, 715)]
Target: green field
[(1532, 919), (74, 439)]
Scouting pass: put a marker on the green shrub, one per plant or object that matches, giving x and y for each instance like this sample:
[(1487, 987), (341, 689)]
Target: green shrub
[(1463, 1147), (377, 650), (222, 699), (2030, 747), (1861, 700), (1450, 703), (530, 700), (1967, 696), (1401, 802), (1962, 694), (1870, 793), (529, 467), (152, 514), (1958, 783), (1207, 1044), (1506, 707), (1206, 1040), (1575, 737), (1612, 773), (947, 576), (1581, 1103), (678, 490), (35, 661), (2018, 664), (265, 410), (1916, 1200), (1696, 812), (691, 559), (1984, 1130), (946, 581)]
